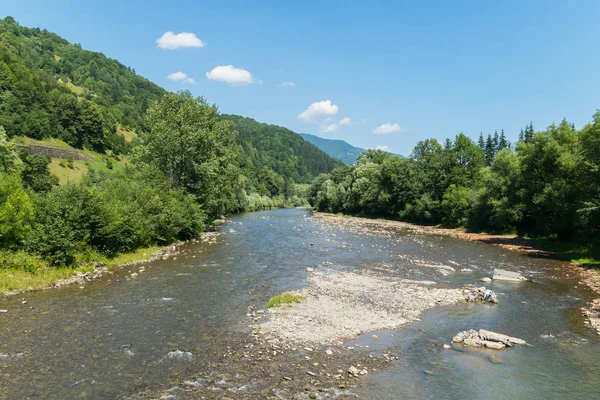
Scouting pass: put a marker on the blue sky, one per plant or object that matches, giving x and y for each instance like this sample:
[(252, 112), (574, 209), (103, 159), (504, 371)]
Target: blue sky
[(424, 68)]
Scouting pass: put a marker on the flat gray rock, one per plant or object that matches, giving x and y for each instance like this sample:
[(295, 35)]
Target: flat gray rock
[(503, 275)]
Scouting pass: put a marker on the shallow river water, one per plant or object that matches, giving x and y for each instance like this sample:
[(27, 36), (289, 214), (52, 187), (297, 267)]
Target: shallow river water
[(120, 336)]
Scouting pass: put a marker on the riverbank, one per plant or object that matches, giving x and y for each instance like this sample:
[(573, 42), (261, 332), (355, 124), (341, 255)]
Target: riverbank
[(587, 276), (16, 281)]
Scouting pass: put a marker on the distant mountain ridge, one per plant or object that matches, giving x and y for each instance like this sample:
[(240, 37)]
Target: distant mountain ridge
[(336, 148)]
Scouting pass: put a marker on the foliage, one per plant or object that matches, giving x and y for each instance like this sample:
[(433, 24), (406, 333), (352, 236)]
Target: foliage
[(547, 185), (111, 213), (193, 148), (16, 211), (7, 152), (35, 173), (20, 261)]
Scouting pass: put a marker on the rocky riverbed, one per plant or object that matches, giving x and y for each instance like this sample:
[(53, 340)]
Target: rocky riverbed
[(343, 305), (588, 277), (255, 368)]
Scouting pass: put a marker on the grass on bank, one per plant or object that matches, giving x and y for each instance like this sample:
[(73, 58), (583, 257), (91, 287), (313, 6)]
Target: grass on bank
[(79, 169), (284, 298), (588, 255), (22, 272)]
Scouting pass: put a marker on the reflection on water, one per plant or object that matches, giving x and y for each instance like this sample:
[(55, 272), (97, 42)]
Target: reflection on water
[(120, 336)]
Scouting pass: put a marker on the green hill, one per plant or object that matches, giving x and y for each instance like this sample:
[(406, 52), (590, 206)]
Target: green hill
[(52, 89), (339, 149), (279, 149)]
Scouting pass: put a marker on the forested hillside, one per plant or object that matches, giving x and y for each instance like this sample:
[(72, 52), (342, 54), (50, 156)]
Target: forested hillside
[(279, 149), (339, 149), (52, 88), (545, 185)]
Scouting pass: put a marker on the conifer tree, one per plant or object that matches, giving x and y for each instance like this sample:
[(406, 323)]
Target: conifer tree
[(529, 133), (502, 143), (489, 150)]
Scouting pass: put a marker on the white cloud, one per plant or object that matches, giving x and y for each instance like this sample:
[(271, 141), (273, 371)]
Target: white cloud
[(287, 84), (330, 128), (383, 148), (231, 75), (318, 111), (387, 128), (345, 121), (181, 76), (171, 40)]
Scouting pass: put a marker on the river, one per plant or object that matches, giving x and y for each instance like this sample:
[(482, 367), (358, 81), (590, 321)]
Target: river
[(122, 336)]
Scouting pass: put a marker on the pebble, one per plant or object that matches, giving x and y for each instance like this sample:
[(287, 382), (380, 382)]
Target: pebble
[(328, 352), (309, 269), (447, 347), (3, 311), (485, 279), (374, 337), (494, 360)]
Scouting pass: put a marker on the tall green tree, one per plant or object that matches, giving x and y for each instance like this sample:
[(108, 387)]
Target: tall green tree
[(502, 142), (192, 147)]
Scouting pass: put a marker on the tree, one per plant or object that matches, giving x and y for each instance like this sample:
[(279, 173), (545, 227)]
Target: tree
[(481, 142), (529, 132), (503, 143), (7, 152), (16, 211), (496, 142), (489, 151), (193, 148), (35, 173), (589, 183)]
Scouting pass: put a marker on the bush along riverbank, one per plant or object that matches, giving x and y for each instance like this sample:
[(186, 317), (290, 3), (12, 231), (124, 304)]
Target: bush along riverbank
[(49, 233)]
